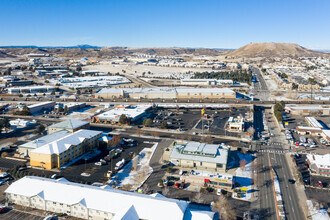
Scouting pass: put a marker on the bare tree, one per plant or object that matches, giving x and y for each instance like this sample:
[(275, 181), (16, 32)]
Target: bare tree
[(139, 132), (116, 140), (167, 192), (222, 207), (154, 133), (126, 187), (251, 131), (242, 164), (199, 198), (135, 162)]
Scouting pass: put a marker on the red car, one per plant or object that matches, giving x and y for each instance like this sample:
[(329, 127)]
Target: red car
[(3, 209), (319, 183), (177, 185)]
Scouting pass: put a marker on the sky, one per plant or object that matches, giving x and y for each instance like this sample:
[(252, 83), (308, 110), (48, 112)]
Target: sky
[(165, 23)]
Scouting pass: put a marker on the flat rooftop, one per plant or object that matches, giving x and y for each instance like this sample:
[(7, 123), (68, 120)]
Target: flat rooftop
[(201, 152)]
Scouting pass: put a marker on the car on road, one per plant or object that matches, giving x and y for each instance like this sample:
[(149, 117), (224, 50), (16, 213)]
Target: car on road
[(218, 192), (292, 181), (319, 183), (51, 217)]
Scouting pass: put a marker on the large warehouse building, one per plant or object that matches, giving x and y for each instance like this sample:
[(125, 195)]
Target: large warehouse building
[(166, 93)]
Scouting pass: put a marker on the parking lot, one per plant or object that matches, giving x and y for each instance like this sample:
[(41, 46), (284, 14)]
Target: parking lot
[(313, 190), (190, 119), (14, 214), (294, 121), (97, 173)]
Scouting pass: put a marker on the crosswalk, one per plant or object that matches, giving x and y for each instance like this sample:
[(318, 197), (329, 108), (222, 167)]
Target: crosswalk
[(275, 143), (273, 151)]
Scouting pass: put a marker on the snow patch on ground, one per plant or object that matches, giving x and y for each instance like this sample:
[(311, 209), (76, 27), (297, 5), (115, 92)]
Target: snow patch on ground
[(244, 176), (316, 213), (131, 179)]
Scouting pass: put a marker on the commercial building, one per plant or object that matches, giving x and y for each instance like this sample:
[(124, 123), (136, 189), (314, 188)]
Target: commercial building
[(308, 110), (133, 113), (70, 125), (235, 124), (60, 152), (319, 164), (302, 130), (326, 135), (31, 89), (166, 93), (313, 122), (98, 203), (71, 106), (19, 123), (35, 108), (201, 156), (24, 149), (93, 82), (20, 83), (206, 82), (211, 179)]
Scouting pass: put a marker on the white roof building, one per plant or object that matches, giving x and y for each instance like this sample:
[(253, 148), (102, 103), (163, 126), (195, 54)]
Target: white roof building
[(64, 143), (132, 112), (111, 202)]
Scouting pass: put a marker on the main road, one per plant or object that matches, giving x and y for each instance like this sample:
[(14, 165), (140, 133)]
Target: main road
[(276, 151)]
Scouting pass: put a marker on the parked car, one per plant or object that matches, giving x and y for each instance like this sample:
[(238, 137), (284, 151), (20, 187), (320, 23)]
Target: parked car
[(99, 163), (218, 192), (4, 209), (54, 176), (319, 183)]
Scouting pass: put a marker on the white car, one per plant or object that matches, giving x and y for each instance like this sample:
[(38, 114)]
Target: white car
[(53, 176), (218, 192)]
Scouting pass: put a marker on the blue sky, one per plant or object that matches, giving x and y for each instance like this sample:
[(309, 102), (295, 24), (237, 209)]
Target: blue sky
[(164, 23)]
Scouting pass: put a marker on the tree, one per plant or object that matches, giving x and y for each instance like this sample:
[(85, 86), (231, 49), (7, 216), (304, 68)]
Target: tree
[(40, 129), (78, 69), (154, 133), (4, 154), (147, 122), (222, 207), (139, 132), (66, 111), (52, 93), (60, 109), (78, 91), (163, 124), (135, 162), (251, 131), (199, 198), (116, 140), (242, 164), (123, 119)]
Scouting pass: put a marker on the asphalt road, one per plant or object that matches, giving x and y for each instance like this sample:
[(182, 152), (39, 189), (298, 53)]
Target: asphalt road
[(280, 165), (260, 87)]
